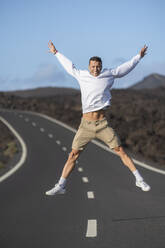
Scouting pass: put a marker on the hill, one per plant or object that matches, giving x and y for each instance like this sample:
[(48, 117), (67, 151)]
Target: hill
[(150, 82), (42, 92), (137, 116)]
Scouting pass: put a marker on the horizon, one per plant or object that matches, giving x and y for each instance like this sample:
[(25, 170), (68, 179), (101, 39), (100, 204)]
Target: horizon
[(69, 87), (78, 89)]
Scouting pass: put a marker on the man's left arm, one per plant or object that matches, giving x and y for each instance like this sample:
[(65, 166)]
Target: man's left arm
[(125, 68)]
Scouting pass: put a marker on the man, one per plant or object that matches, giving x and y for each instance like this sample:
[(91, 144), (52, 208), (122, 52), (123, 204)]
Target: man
[(95, 86)]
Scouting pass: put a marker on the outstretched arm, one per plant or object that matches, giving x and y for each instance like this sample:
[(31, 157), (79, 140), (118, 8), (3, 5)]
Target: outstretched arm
[(125, 68), (65, 62)]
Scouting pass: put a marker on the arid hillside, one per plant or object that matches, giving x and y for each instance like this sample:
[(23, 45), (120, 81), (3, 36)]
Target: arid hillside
[(8, 147), (138, 116)]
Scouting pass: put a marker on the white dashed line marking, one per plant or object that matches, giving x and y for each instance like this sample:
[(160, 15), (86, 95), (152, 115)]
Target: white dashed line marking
[(42, 129), (26, 119), (58, 142), (76, 161), (80, 169), (20, 116), (91, 229), (64, 148), (85, 179), (34, 124), (50, 135), (90, 194)]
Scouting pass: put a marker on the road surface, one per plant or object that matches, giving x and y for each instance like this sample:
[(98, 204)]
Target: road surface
[(101, 209)]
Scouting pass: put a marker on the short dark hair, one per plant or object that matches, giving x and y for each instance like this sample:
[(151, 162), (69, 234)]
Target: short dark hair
[(95, 58)]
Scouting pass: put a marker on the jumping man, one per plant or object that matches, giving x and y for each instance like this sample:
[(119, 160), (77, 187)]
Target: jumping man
[(95, 86)]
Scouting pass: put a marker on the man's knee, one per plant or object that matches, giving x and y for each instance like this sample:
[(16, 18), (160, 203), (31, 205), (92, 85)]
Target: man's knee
[(123, 155), (74, 154), (120, 151)]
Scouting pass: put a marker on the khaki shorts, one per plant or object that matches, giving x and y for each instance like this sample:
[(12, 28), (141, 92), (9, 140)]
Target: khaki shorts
[(99, 129)]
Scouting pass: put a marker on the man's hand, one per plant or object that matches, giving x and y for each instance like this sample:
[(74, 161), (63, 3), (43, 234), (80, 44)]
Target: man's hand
[(52, 48), (143, 51)]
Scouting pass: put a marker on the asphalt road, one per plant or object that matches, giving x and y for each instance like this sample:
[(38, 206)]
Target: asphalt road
[(101, 209)]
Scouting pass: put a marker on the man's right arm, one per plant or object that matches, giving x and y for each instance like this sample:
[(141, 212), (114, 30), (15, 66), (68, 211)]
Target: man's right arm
[(65, 62)]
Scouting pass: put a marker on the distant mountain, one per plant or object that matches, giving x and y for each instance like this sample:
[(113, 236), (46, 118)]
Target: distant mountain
[(43, 92), (150, 82)]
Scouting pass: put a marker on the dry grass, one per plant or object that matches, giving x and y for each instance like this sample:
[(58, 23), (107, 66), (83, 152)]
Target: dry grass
[(11, 149)]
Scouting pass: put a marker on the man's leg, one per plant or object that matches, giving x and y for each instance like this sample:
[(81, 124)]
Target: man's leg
[(109, 136), (125, 158), (81, 139), (68, 167), (70, 163), (129, 163)]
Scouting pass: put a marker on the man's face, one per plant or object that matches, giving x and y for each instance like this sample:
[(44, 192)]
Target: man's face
[(95, 68)]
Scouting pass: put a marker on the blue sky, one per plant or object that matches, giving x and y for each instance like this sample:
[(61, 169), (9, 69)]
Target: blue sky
[(113, 30)]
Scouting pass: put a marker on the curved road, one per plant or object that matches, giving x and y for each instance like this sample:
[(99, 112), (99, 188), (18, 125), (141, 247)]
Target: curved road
[(101, 209)]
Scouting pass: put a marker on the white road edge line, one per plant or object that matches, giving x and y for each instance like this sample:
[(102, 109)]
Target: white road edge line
[(146, 166), (91, 229), (24, 152)]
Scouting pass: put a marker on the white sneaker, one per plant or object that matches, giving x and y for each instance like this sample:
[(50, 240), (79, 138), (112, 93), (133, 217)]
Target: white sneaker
[(143, 185), (56, 190)]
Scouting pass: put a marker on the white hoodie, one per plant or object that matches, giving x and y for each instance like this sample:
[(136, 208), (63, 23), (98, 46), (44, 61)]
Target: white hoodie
[(95, 91)]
